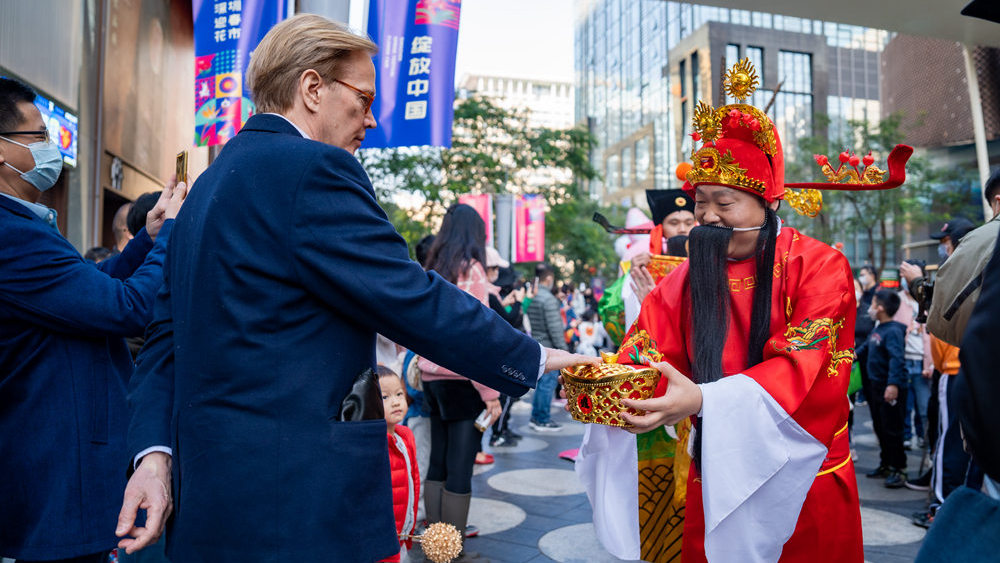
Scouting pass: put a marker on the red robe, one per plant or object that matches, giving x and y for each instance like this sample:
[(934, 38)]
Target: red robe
[(806, 369)]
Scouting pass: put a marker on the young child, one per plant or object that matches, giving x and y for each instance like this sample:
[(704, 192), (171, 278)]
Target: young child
[(887, 373), (402, 458)]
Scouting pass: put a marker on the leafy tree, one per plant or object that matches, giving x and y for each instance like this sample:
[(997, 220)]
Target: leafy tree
[(930, 194), (495, 151)]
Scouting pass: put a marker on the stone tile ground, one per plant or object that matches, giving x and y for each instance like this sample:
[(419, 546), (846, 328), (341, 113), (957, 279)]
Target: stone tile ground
[(531, 508)]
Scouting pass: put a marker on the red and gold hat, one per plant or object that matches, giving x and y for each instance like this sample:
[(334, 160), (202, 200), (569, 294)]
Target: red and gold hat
[(742, 150)]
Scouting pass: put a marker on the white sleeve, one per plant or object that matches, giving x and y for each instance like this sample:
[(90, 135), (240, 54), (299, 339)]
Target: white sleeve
[(606, 466), (757, 465), (147, 451), (632, 303), (542, 358)]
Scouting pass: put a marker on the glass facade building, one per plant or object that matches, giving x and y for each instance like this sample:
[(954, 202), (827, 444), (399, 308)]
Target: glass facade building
[(642, 66)]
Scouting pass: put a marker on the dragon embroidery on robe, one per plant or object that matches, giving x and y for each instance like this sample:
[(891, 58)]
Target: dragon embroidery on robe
[(811, 334)]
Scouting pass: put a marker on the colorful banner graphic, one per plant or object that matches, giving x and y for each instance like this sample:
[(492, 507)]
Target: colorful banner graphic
[(483, 204), (529, 228), (225, 32), (415, 71), (62, 125)]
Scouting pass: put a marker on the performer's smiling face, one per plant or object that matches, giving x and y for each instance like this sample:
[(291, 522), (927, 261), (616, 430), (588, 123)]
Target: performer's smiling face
[(722, 206)]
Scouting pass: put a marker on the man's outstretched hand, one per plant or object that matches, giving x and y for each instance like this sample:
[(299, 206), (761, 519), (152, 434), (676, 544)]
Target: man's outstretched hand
[(559, 359), (149, 489)]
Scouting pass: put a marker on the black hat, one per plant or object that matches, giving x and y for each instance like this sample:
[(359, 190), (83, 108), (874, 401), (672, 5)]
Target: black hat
[(665, 202), (506, 277), (985, 9), (954, 229)]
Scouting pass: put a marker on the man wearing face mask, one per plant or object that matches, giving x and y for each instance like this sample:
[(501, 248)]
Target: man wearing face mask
[(753, 337), (63, 361)]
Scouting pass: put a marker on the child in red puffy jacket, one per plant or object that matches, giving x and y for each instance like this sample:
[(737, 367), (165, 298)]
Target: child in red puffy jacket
[(402, 458)]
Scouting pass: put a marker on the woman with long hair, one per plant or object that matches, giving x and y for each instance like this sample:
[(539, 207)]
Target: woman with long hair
[(458, 255)]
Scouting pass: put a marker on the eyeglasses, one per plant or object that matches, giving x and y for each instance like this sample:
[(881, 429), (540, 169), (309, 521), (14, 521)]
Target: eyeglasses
[(38, 133), (369, 99)]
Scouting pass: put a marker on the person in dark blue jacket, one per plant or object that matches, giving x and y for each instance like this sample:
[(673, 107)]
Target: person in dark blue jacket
[(281, 270), (63, 362), (887, 373)]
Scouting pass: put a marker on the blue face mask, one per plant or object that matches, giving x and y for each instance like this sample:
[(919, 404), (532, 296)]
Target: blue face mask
[(942, 252), (48, 164)]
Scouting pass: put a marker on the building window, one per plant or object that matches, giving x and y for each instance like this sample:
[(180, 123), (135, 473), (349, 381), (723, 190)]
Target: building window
[(793, 109), (732, 54), (613, 173), (642, 159), (627, 166), (695, 71), (760, 97), (682, 72)]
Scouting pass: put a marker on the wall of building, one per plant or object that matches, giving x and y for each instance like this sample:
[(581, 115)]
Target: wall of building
[(924, 79)]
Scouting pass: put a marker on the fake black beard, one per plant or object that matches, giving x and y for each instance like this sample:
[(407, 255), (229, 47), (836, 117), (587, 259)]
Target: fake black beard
[(709, 290), (709, 287)]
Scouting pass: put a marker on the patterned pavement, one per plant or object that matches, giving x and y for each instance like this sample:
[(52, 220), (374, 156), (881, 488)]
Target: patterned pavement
[(529, 505)]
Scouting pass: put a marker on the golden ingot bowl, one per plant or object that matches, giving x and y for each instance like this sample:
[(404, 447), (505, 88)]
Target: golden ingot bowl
[(594, 393), (661, 265)]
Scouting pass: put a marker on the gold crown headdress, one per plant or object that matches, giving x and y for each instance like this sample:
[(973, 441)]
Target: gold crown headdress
[(742, 150)]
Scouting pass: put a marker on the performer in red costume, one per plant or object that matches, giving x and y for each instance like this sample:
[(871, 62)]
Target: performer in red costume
[(754, 336)]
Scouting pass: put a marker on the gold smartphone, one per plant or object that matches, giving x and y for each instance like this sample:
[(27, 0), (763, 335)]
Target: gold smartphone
[(182, 167)]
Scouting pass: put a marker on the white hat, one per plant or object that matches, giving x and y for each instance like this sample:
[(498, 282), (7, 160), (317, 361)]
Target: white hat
[(494, 260)]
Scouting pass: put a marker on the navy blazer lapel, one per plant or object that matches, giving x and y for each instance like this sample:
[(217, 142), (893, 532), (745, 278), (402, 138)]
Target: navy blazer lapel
[(270, 123)]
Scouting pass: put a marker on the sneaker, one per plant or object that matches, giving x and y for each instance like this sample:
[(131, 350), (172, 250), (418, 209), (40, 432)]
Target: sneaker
[(922, 483), (896, 479), (499, 441), (907, 445), (544, 426), (511, 435), (922, 443), (924, 518), (879, 472), (471, 531)]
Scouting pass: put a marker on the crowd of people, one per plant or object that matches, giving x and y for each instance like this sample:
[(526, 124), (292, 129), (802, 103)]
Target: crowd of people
[(301, 389), (908, 346)]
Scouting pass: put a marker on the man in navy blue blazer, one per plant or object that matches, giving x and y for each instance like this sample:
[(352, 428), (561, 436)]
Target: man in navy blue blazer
[(63, 361), (281, 270)]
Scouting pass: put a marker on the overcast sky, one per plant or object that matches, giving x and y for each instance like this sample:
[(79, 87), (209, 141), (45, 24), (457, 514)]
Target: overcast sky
[(517, 38)]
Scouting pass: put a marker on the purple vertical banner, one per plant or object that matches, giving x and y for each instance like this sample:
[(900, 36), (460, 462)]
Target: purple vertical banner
[(415, 71), (225, 33)]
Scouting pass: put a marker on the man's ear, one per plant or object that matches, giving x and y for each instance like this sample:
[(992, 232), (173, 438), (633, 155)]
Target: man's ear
[(774, 205), (310, 86)]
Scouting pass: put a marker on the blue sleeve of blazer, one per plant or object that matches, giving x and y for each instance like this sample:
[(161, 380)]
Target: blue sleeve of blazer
[(46, 281), (348, 253), (125, 263)]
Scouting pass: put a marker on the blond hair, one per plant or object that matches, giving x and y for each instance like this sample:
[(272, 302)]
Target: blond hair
[(300, 43)]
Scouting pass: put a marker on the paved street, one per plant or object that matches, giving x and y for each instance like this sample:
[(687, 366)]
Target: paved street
[(529, 505)]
